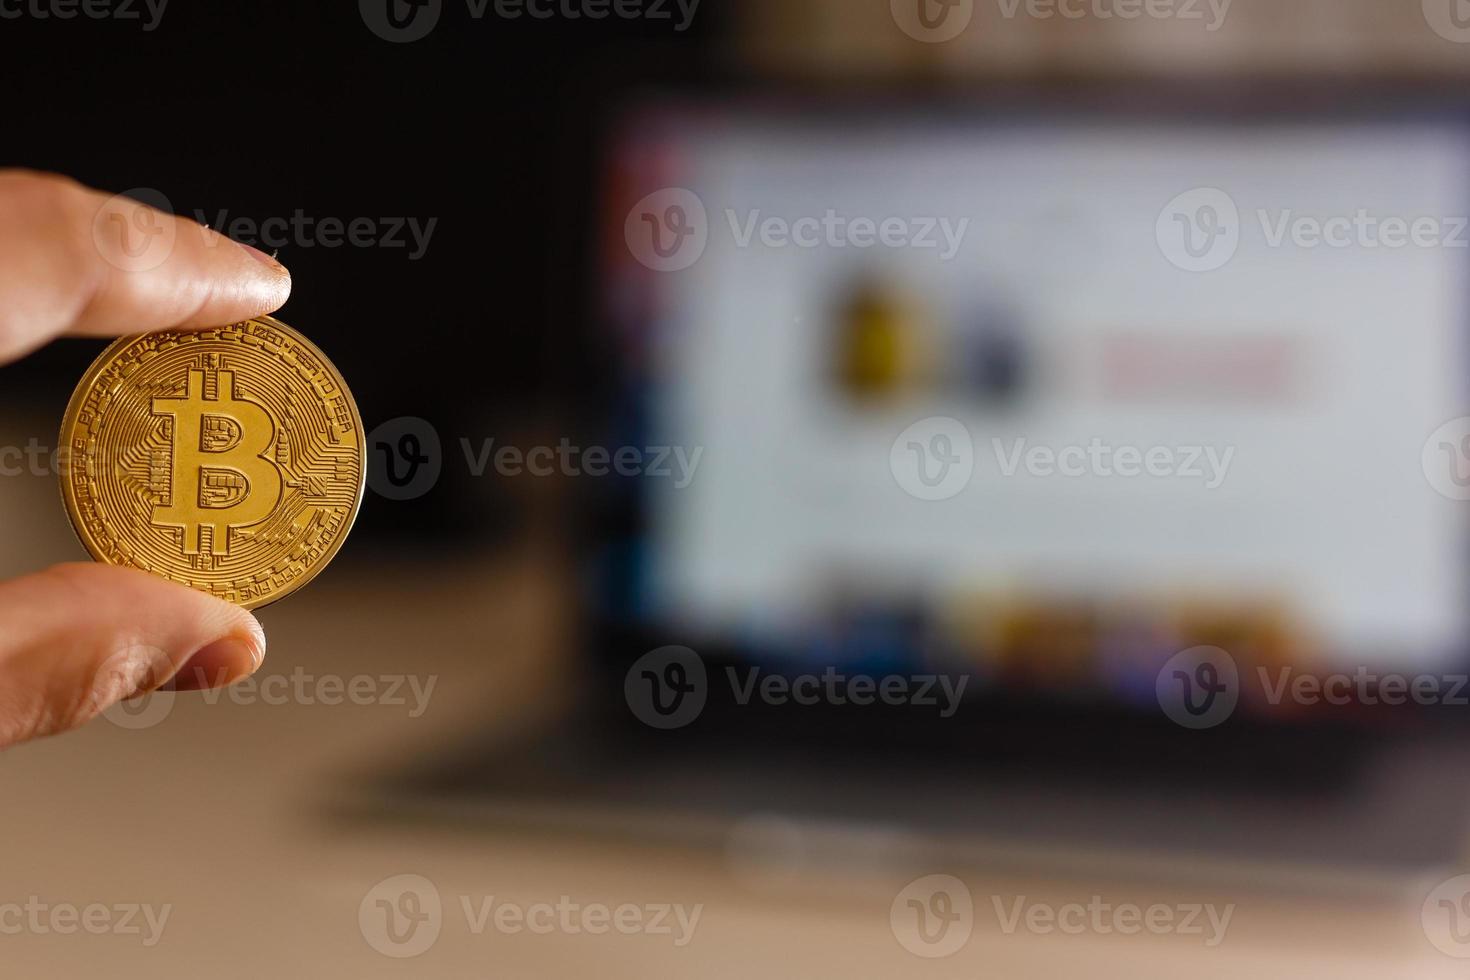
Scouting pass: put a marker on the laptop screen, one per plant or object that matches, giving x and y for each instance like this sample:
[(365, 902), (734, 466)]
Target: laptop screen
[(1052, 398)]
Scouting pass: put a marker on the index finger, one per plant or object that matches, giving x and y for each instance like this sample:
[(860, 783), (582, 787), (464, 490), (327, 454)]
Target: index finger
[(76, 261)]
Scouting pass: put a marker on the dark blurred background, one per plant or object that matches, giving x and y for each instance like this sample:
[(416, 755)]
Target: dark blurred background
[(487, 128)]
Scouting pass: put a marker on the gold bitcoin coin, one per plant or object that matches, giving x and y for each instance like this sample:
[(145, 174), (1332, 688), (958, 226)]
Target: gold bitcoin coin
[(228, 460)]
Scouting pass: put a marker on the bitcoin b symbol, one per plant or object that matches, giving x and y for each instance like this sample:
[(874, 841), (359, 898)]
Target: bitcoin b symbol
[(221, 477)]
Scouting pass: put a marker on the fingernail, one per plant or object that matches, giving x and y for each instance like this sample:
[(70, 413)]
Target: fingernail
[(261, 257), (258, 644), (218, 664)]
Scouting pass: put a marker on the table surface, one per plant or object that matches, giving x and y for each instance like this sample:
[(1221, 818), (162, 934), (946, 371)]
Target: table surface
[(220, 813)]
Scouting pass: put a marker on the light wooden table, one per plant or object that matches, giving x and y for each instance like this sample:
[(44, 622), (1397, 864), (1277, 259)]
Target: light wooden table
[(219, 812)]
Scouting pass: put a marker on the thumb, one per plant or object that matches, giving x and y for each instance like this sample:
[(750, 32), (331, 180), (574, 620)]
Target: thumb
[(78, 638)]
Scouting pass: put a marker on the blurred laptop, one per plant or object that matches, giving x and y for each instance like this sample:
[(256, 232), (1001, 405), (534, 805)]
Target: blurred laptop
[(1000, 470)]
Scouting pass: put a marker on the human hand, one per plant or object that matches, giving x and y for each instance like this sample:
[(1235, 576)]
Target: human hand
[(77, 638)]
